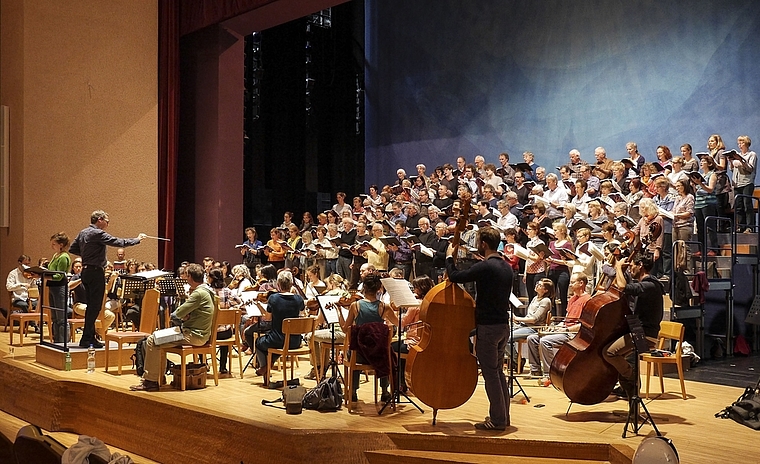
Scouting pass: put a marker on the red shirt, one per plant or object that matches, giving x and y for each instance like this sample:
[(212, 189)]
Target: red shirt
[(575, 308)]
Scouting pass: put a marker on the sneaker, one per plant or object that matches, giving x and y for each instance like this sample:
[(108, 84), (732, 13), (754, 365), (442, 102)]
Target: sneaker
[(535, 375), (146, 385), (489, 425)]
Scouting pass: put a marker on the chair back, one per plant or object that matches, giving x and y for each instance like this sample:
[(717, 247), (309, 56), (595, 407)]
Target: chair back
[(229, 317), (671, 331), (214, 324), (32, 446), (297, 325), (149, 311)]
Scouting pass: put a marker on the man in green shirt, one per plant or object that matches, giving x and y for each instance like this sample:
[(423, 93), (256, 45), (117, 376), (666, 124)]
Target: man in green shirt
[(196, 315)]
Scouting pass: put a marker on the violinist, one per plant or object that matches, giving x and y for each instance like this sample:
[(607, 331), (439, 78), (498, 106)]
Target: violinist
[(227, 299), (18, 283), (420, 286), (265, 285), (324, 335), (493, 277), (241, 279), (650, 222), (639, 284)]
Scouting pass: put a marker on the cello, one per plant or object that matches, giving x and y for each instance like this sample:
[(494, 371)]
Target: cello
[(579, 368), (440, 370)]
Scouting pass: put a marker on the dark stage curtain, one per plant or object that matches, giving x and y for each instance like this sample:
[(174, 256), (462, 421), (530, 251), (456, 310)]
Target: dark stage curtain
[(168, 124)]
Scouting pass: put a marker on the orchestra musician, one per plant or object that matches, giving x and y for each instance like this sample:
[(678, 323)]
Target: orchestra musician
[(18, 283), (420, 286), (493, 278), (639, 284)]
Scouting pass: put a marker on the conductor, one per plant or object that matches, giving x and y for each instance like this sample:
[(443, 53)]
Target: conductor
[(91, 244)]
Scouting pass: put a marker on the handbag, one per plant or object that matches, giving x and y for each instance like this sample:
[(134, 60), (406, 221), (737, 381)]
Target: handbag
[(326, 396), (746, 409)]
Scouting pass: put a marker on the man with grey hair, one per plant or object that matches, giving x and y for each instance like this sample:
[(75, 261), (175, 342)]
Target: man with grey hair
[(603, 167), (576, 162), (541, 176), (91, 244), (196, 316), (480, 165)]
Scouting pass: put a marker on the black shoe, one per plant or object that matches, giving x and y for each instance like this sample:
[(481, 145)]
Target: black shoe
[(354, 397), (146, 385), (95, 344), (385, 397)]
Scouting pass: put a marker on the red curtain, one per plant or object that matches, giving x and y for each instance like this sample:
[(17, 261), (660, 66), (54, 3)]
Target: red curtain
[(168, 125)]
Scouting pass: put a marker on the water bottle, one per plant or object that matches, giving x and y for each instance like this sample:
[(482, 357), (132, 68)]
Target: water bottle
[(90, 360), (68, 361)]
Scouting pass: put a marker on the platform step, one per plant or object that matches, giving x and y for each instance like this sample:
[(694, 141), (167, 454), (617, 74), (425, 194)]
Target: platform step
[(429, 457)]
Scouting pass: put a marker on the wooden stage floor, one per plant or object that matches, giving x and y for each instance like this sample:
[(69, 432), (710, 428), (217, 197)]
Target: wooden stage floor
[(228, 423)]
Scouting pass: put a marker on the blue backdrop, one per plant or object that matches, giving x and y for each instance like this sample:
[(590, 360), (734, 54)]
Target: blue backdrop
[(446, 78)]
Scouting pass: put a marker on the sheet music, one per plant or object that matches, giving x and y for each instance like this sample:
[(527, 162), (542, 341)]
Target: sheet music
[(329, 305), (521, 252), (152, 274), (514, 300), (400, 293)]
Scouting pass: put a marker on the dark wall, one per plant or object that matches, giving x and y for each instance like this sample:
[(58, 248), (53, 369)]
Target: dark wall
[(455, 77), (296, 160)]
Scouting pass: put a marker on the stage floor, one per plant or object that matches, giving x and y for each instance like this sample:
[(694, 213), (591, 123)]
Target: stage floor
[(696, 433)]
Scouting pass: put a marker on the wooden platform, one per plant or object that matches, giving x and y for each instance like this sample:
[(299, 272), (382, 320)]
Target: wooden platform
[(56, 359), (228, 423)]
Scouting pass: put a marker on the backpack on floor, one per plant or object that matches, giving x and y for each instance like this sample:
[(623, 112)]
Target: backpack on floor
[(746, 409)]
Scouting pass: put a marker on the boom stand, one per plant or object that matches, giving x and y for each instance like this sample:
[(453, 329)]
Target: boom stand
[(397, 393), (512, 379), (639, 345)]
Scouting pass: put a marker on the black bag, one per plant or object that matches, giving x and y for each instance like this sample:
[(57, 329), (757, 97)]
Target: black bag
[(326, 396), (138, 358), (746, 409)]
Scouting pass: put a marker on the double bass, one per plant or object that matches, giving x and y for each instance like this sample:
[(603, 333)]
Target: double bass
[(579, 368), (440, 370)]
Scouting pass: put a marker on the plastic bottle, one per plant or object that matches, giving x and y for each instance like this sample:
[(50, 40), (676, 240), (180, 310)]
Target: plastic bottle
[(90, 360), (68, 361)]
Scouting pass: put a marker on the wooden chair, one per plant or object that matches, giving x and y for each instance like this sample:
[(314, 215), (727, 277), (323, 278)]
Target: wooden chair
[(350, 365), (148, 323), (669, 331), (231, 317), (291, 326), (77, 323), (33, 315), (208, 349)]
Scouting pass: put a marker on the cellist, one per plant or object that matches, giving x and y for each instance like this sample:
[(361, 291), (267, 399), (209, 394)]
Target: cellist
[(493, 278), (647, 292)]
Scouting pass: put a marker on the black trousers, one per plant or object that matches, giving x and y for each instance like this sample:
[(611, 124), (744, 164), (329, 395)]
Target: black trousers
[(94, 281)]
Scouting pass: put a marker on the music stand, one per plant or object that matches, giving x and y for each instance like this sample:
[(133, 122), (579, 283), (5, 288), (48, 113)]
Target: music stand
[(397, 393), (328, 304), (512, 378), (167, 288), (45, 276), (639, 345)]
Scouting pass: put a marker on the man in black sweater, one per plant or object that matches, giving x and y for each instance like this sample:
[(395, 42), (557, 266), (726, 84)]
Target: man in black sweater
[(493, 280)]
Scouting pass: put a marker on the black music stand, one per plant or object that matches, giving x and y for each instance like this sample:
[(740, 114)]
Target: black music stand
[(512, 378), (333, 364), (640, 345), (168, 288), (45, 276), (397, 393)]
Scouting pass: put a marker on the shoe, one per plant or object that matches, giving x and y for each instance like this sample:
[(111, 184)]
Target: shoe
[(535, 375), (95, 344), (711, 253), (261, 371), (385, 397), (354, 397), (312, 375), (697, 254), (225, 375), (146, 385), (747, 231), (488, 425), (619, 392)]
